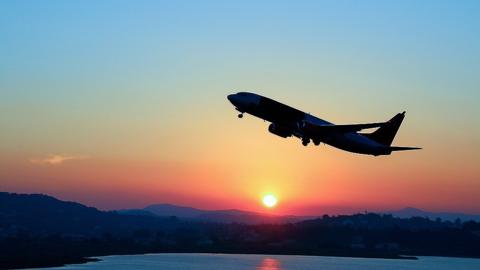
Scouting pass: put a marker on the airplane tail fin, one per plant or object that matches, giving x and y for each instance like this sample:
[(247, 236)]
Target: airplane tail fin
[(387, 132)]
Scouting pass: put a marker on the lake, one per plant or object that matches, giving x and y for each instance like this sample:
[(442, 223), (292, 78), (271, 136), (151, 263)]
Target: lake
[(268, 262)]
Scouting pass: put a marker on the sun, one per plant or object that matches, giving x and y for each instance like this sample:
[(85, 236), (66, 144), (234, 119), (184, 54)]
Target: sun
[(269, 200)]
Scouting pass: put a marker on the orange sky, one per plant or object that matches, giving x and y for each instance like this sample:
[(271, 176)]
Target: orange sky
[(237, 173)]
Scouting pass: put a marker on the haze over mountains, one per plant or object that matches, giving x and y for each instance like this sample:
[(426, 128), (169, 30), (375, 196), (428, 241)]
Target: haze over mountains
[(415, 212), (221, 216), (247, 217)]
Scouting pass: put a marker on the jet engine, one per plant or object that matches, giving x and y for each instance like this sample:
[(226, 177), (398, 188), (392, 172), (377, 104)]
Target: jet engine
[(281, 131)]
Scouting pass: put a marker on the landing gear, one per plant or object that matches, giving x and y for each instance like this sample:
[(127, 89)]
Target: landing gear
[(316, 142), (305, 141), (240, 115)]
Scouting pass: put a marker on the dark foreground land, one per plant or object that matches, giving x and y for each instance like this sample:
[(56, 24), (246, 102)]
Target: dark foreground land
[(41, 231)]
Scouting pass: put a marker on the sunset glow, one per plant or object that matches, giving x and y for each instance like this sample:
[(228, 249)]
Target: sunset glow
[(269, 200)]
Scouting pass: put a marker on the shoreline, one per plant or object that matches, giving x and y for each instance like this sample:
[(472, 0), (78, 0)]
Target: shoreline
[(53, 262), (47, 263)]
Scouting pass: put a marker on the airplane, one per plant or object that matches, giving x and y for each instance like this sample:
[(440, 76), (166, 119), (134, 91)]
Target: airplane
[(287, 121)]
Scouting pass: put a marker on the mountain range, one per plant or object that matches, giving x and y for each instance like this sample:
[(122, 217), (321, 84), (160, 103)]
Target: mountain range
[(248, 217), (220, 216), (409, 212)]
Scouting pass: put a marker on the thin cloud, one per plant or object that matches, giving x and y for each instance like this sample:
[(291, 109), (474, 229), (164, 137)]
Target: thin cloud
[(56, 159)]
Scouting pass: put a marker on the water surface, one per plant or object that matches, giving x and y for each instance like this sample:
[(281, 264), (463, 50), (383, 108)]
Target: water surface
[(268, 262)]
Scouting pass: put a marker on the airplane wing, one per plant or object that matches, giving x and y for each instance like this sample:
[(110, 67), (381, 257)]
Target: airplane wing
[(322, 129)]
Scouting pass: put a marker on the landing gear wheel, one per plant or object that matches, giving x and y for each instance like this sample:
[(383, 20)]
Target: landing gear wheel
[(316, 142), (240, 115), (305, 141)]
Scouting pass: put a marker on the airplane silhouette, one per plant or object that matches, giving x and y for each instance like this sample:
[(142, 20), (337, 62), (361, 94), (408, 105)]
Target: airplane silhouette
[(287, 121)]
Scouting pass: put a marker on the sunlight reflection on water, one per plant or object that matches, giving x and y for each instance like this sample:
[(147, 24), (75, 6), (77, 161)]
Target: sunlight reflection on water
[(269, 264)]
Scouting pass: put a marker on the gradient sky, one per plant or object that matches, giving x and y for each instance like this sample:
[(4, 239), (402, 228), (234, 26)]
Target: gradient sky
[(120, 104)]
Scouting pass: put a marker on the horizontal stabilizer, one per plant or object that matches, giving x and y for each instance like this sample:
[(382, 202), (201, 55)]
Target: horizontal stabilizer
[(403, 148)]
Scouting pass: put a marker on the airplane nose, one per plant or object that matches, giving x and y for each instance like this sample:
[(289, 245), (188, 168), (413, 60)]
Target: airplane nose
[(232, 98)]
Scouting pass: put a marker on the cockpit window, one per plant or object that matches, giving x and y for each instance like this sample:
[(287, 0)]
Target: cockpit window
[(241, 93)]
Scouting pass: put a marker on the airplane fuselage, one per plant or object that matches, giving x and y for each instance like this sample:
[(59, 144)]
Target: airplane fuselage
[(287, 121)]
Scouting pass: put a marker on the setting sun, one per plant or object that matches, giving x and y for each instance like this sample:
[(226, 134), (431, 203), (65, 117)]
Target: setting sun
[(269, 200)]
